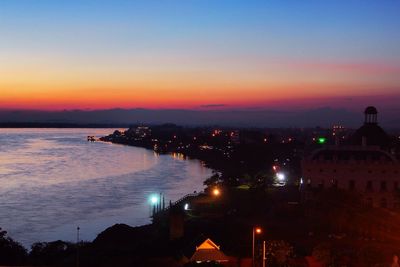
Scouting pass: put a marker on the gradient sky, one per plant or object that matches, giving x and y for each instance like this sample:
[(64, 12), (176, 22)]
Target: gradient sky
[(198, 53)]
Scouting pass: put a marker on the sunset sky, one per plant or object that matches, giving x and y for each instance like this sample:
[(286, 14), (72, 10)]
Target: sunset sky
[(198, 54)]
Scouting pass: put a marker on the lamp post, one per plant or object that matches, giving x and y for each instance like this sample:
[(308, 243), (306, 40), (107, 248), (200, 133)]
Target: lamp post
[(256, 230), (77, 246), (154, 202), (264, 258)]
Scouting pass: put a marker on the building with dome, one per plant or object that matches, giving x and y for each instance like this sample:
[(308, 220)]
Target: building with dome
[(371, 134), (365, 165)]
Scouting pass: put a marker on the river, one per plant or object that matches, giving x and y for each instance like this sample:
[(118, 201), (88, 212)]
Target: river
[(53, 180)]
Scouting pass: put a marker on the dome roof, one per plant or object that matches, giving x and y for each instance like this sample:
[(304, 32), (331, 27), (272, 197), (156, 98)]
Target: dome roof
[(370, 134), (371, 110)]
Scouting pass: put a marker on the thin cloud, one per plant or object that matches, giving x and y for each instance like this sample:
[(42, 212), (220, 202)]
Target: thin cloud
[(213, 106)]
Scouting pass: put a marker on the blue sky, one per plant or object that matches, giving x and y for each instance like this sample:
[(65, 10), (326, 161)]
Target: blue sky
[(263, 45)]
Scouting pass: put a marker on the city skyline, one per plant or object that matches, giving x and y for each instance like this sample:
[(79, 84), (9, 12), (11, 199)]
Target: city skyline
[(199, 55)]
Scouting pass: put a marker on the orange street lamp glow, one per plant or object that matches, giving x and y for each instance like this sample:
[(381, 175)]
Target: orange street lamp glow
[(256, 230), (216, 192)]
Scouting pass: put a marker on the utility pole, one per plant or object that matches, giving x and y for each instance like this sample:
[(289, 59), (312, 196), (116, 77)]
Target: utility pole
[(264, 258), (252, 256), (256, 230), (77, 246)]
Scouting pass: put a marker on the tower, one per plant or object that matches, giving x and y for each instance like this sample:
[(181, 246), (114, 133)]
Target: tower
[(371, 115)]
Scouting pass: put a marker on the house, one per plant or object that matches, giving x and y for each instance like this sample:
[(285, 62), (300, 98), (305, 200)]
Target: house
[(208, 251)]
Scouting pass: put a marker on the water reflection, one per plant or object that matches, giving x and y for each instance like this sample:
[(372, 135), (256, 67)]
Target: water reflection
[(53, 179)]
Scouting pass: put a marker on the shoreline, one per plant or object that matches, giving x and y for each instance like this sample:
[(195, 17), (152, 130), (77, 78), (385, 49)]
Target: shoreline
[(197, 173), (170, 153)]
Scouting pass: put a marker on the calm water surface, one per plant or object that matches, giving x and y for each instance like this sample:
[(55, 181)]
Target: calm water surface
[(52, 180)]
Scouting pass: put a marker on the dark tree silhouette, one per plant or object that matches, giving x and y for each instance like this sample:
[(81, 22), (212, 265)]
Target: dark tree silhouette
[(11, 252), (53, 253)]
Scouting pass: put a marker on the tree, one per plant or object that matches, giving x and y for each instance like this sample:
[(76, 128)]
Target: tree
[(11, 252), (278, 252), (213, 180), (51, 253)]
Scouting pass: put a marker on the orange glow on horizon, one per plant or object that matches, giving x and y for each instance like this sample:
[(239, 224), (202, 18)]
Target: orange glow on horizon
[(173, 81), (158, 98)]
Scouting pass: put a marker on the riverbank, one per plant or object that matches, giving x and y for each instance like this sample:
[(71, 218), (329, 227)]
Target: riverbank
[(244, 156)]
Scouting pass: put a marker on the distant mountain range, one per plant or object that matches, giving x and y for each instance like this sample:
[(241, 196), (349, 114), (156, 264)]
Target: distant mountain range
[(324, 117)]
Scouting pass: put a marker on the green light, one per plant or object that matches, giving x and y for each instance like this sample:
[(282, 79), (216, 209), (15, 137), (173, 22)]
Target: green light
[(321, 140)]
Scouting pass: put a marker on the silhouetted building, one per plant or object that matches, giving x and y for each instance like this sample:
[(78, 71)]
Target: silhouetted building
[(365, 166), (371, 134)]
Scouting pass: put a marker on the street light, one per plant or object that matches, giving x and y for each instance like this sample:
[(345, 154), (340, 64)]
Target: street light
[(256, 230), (186, 206), (154, 201), (281, 177), (216, 192)]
